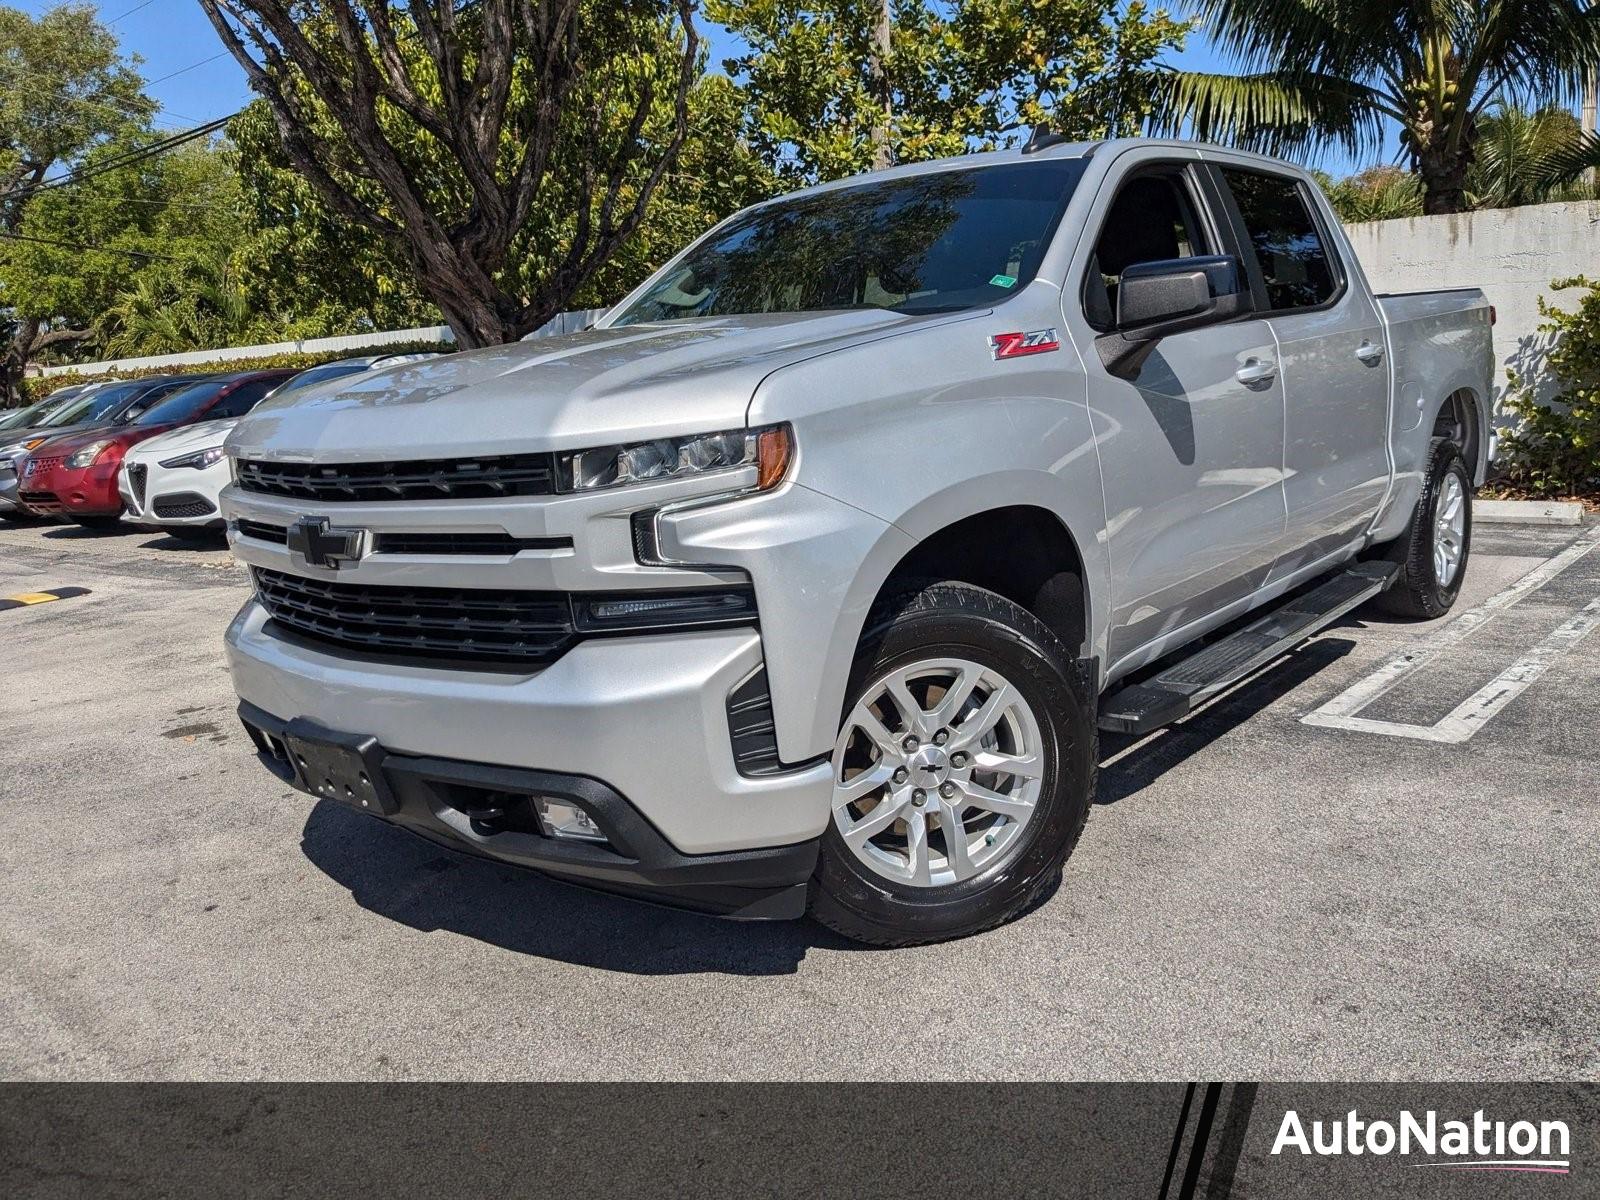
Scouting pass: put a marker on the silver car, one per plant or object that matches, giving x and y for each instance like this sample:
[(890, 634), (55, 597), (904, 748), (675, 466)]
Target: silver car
[(805, 580)]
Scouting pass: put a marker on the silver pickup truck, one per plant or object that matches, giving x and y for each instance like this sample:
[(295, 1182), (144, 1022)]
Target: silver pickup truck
[(805, 580)]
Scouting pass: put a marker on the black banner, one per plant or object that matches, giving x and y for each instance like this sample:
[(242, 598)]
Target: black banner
[(1154, 1141)]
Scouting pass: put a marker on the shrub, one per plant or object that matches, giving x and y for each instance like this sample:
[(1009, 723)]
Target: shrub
[(1555, 448), (41, 386)]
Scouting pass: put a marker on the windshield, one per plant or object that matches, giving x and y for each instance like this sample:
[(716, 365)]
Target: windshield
[(102, 403), (32, 414), (183, 404), (315, 375), (925, 243)]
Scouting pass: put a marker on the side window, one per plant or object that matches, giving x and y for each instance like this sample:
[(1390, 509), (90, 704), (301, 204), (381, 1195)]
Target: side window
[(1152, 217), (1294, 261), (242, 399)]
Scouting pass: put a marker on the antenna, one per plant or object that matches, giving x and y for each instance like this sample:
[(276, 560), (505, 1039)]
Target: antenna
[(1041, 138)]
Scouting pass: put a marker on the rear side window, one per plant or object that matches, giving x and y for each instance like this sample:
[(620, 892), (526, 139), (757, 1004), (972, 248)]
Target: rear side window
[(1293, 259)]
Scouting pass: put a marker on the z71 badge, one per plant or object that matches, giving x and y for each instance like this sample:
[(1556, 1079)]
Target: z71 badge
[(1015, 345)]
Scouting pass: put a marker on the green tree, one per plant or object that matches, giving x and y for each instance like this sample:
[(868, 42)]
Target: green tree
[(1327, 72), (165, 225), (306, 270), (452, 130), (1374, 194), (65, 89), (827, 100)]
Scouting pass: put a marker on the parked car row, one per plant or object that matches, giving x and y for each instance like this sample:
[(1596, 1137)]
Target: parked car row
[(147, 450)]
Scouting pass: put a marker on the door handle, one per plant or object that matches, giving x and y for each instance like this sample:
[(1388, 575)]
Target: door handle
[(1369, 352), (1256, 370)]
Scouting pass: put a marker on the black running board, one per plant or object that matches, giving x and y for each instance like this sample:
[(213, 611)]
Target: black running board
[(1181, 688)]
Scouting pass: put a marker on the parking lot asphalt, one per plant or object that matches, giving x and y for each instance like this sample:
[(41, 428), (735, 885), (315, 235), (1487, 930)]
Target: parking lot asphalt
[(1255, 896)]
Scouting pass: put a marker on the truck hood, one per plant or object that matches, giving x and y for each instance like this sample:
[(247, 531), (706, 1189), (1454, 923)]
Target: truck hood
[(629, 383), (186, 439)]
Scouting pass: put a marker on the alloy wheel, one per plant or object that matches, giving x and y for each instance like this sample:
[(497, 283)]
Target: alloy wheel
[(937, 772), (1449, 529)]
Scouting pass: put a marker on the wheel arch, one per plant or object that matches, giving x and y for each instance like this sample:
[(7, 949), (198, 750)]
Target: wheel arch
[(1033, 537), (1023, 552), (1461, 417)]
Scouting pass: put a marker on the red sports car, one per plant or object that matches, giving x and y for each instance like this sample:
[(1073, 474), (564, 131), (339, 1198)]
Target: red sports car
[(75, 475)]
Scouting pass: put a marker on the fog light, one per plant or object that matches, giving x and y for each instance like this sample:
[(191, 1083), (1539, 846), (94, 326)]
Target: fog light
[(562, 820)]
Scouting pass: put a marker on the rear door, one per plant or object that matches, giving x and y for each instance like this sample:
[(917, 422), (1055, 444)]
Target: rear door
[(1191, 447), (1331, 358)]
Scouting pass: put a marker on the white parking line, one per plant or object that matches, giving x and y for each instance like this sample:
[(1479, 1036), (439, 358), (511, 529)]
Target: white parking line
[(1471, 714)]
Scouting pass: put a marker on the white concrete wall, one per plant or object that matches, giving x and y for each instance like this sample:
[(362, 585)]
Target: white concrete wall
[(1511, 253), (355, 343)]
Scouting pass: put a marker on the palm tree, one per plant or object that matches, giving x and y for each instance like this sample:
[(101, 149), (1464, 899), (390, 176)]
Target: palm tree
[(1320, 73), (1518, 157)]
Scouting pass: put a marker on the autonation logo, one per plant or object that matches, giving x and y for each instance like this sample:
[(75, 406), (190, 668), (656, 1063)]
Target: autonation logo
[(1476, 1145)]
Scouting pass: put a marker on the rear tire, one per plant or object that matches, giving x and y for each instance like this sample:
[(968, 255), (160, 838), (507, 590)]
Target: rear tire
[(1434, 550), (992, 689)]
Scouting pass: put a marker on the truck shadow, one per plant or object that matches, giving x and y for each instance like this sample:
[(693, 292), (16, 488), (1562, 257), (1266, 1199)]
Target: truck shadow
[(403, 878), (1125, 774)]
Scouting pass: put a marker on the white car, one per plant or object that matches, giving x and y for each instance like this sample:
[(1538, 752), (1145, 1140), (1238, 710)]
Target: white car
[(172, 482)]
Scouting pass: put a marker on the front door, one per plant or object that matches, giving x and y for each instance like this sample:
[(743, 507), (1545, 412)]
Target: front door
[(1191, 447)]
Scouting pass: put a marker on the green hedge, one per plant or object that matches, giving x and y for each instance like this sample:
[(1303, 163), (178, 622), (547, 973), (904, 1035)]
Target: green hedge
[(39, 387), (1554, 450)]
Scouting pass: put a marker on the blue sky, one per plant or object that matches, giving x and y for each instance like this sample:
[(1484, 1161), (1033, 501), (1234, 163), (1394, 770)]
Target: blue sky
[(195, 80)]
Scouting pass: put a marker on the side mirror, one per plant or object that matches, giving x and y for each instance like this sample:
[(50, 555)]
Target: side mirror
[(1155, 299)]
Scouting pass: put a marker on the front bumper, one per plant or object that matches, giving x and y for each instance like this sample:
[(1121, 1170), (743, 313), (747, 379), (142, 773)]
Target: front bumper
[(647, 714), (175, 496), (63, 491), (488, 811)]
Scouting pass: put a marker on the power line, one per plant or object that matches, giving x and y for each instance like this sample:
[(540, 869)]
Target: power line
[(104, 105), (131, 158), (181, 70), (130, 12), (87, 249)]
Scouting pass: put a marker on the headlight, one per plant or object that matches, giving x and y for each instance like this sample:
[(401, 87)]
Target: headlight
[(199, 460), (17, 447), (84, 457), (769, 450)]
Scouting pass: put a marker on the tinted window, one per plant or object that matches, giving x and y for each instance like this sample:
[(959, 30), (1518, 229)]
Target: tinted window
[(148, 397), (32, 413), (315, 375), (1152, 218), (927, 243), (243, 398), (1294, 262), (101, 404), (183, 405)]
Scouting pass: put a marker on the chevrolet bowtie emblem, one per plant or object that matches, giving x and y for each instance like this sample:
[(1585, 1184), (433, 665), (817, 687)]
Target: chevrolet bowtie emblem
[(322, 545)]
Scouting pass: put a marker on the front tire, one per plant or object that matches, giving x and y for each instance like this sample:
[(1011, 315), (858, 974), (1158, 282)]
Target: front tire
[(963, 774), (1433, 551)]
